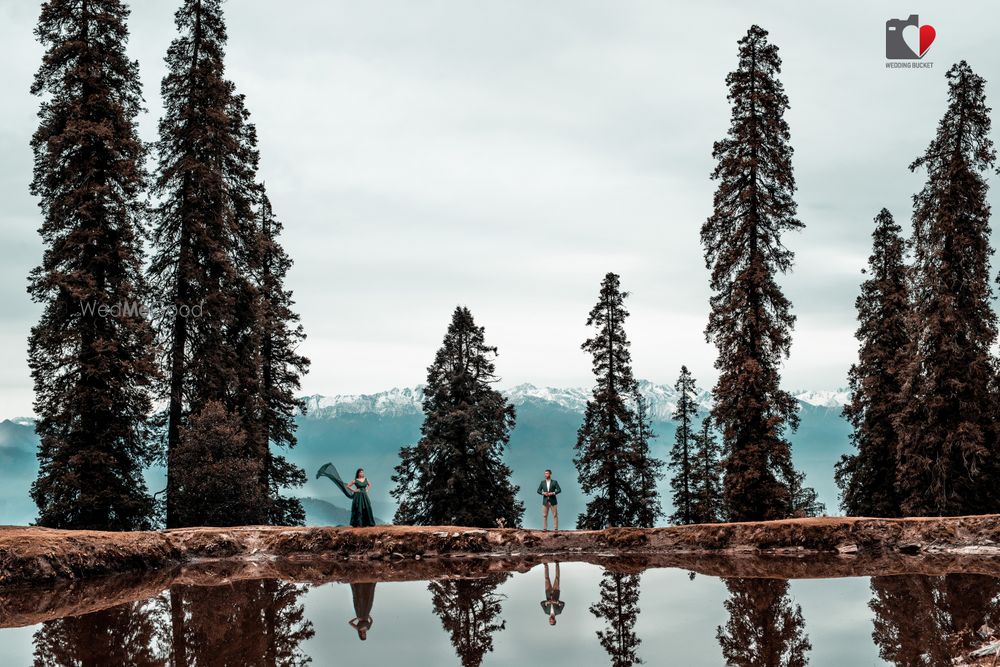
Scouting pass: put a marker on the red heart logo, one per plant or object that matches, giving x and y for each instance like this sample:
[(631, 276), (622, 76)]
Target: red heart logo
[(927, 35)]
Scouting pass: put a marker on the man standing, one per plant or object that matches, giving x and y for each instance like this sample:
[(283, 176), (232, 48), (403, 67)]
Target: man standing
[(548, 489)]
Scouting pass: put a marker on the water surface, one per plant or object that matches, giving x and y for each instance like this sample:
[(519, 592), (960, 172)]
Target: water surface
[(598, 617)]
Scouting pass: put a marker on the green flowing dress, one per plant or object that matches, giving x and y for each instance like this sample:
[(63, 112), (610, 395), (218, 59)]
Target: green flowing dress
[(361, 506)]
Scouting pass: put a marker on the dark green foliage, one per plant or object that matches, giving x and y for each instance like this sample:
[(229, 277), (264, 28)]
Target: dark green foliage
[(618, 607), (706, 476), (648, 471), (455, 474), (751, 321), (217, 485), (947, 436), (470, 611), (763, 627), (867, 478), (92, 369), (613, 465), (682, 461), (804, 499)]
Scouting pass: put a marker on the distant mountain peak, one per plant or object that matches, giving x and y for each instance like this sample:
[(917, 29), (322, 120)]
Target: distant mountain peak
[(401, 401)]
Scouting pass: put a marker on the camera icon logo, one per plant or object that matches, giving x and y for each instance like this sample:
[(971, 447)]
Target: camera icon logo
[(907, 40)]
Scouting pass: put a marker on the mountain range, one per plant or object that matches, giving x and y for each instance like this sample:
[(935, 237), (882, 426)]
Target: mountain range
[(367, 430)]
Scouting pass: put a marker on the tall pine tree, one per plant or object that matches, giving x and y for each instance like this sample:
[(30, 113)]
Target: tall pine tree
[(230, 334), (455, 473), (867, 478), (682, 461), (947, 439), (91, 353), (610, 461), (751, 321), (706, 475)]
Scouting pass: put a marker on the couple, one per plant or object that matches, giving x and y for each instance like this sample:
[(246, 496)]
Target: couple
[(357, 490)]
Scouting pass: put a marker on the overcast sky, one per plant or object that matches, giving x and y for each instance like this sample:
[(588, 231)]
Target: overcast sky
[(506, 155)]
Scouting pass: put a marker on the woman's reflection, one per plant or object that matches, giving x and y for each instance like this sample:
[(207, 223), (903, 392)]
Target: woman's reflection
[(364, 598)]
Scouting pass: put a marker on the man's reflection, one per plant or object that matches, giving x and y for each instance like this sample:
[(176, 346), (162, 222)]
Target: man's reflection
[(552, 605)]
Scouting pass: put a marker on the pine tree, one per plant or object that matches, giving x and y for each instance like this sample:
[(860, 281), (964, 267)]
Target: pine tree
[(281, 370), (867, 478), (91, 353), (618, 607), (213, 471), (470, 611), (706, 475), (207, 236), (750, 321), (645, 504), (947, 440), (455, 474), (763, 628), (682, 461), (610, 461)]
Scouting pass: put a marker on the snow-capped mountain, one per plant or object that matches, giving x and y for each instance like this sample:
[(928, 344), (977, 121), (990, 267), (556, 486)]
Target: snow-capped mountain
[(397, 402)]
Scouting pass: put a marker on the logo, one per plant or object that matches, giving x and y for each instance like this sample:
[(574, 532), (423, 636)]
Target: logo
[(907, 40)]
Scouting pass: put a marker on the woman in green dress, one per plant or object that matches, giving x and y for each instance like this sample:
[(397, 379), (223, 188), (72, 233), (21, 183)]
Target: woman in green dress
[(356, 490)]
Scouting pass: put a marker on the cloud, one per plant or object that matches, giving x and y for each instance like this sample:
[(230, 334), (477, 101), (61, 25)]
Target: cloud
[(506, 155)]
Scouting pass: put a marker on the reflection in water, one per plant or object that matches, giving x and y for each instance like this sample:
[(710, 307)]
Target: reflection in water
[(931, 621), (764, 629), (364, 598), (255, 622), (919, 621), (469, 610), (552, 605), (618, 607), (122, 635)]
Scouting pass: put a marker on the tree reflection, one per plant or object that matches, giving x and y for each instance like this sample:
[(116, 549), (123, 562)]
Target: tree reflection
[(470, 610), (764, 628), (246, 623), (618, 607), (122, 635), (932, 621)]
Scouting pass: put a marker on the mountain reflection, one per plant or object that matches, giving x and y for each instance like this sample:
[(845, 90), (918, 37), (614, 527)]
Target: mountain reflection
[(470, 610), (618, 607), (933, 621), (764, 628)]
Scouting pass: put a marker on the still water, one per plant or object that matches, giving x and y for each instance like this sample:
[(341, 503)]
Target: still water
[(577, 615)]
